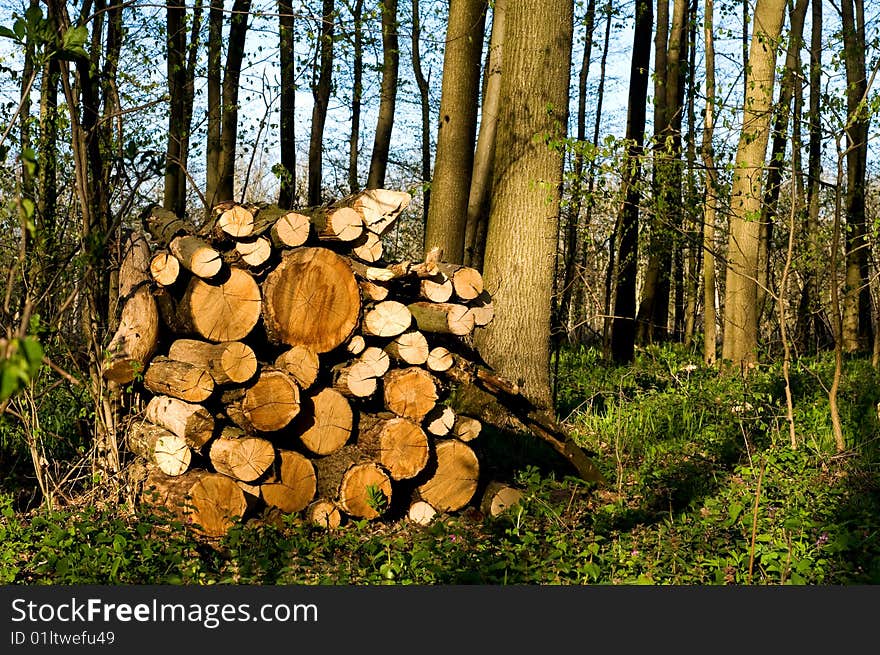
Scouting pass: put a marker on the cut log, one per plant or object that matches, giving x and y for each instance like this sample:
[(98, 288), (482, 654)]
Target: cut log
[(466, 428), (164, 268), (286, 228), (439, 359), (160, 447), (380, 273), (209, 502), (388, 318), (410, 348), (467, 282), (267, 405), (336, 224), (439, 421), (170, 377), (442, 318), (311, 299), (301, 363), (137, 336), (379, 208), (231, 221), (229, 362), (359, 485), (498, 498), (356, 345), (355, 380), (222, 310), (163, 225), (421, 513), (292, 486), (454, 476), (325, 514), (325, 422), (254, 253), (196, 255), (189, 421), (482, 309), (368, 247), (245, 459), (436, 289), (377, 359), (372, 291), (398, 444), (410, 392)]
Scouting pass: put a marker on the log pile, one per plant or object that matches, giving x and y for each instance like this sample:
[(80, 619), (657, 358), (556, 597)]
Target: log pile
[(286, 364)]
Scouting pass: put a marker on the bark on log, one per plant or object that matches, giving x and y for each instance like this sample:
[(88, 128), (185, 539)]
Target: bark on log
[(163, 225), (171, 377), (410, 392), (398, 444), (160, 447), (267, 405), (442, 318), (137, 336), (209, 502), (245, 459), (359, 485), (293, 485), (454, 476), (325, 422), (226, 309), (311, 299), (229, 362), (193, 423)]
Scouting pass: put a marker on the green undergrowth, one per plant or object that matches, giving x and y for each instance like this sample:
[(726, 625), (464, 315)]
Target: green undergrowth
[(703, 487)]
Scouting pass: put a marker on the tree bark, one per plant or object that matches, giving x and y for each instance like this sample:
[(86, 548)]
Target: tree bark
[(287, 124), (388, 96), (321, 88)]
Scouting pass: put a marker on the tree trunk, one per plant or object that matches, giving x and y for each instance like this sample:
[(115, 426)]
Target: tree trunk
[(357, 89), (741, 315), (453, 165), (624, 327), (388, 96), (526, 192), (321, 88), (711, 202), (287, 123), (425, 105)]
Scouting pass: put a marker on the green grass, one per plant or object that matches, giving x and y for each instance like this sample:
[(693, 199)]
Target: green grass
[(703, 488)]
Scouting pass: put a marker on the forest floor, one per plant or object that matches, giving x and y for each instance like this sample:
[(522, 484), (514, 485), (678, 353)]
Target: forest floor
[(703, 487)]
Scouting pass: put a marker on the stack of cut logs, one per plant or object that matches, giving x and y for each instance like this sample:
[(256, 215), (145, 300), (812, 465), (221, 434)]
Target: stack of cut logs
[(287, 365)]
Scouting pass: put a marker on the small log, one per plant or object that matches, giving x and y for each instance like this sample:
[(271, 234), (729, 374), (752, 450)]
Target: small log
[(410, 348), (170, 377), (254, 253), (157, 445), (439, 359), (410, 392), (380, 273), (377, 359), (231, 220), (355, 380), (439, 421), (228, 362), (442, 318), (436, 289), (137, 336), (286, 228), (466, 428), (325, 422), (196, 255), (163, 225), (245, 458), (482, 309), (293, 483), (373, 291), (189, 421), (301, 363), (209, 502), (398, 444), (379, 208), (467, 282), (336, 224), (222, 310), (164, 268), (356, 345), (325, 514), (267, 405), (454, 476), (498, 498), (311, 299), (388, 318), (368, 247), (421, 512), (359, 485)]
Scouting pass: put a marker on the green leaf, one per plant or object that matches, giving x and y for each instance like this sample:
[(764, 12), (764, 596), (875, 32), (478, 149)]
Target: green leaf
[(9, 380), (8, 33), (74, 40), (34, 15), (20, 29), (33, 354)]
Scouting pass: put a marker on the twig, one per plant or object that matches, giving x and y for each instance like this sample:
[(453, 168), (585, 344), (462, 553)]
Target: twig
[(755, 523)]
